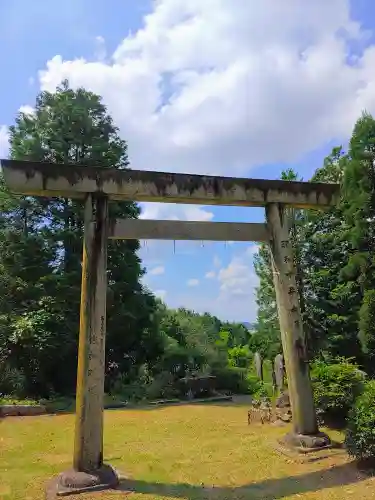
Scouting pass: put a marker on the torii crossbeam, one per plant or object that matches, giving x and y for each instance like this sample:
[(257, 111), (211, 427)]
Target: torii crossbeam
[(97, 186)]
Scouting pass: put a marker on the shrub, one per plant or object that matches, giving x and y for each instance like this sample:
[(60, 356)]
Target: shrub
[(145, 386), (230, 379), (360, 433), (236, 380), (197, 386), (335, 388), (255, 386), (162, 386), (239, 356), (12, 381), (8, 400), (261, 393), (131, 386)]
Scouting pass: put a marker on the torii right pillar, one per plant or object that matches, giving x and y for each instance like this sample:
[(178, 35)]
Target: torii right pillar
[(305, 435)]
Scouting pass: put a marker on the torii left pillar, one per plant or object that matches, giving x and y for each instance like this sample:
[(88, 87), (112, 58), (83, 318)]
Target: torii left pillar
[(88, 472), (305, 435)]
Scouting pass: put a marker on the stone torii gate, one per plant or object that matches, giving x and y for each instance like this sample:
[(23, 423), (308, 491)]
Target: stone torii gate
[(97, 186)]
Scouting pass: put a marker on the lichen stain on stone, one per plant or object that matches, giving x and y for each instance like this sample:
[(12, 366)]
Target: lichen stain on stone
[(111, 226), (163, 185)]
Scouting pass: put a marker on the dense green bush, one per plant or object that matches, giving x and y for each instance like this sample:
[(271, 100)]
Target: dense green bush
[(239, 356), (261, 393), (236, 380), (335, 388), (145, 386), (162, 386), (12, 381), (360, 433)]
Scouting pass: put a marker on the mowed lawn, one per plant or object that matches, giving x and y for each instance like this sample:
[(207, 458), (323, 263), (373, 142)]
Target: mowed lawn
[(181, 452)]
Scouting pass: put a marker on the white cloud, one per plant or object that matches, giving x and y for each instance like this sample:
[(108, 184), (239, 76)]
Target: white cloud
[(217, 261), (28, 110), (4, 141), (161, 294), (210, 275), (100, 48), (172, 211), (220, 86), (157, 271), (252, 250), (256, 82), (193, 282), (232, 299), (237, 279)]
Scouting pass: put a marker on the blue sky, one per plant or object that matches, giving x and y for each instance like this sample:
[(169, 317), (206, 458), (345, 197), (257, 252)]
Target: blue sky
[(241, 88)]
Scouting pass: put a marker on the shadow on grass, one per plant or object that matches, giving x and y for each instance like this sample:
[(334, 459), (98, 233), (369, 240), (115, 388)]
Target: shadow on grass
[(64, 407), (270, 489), (236, 402)]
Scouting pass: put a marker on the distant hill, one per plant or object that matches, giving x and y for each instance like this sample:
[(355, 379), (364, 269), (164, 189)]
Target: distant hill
[(249, 326)]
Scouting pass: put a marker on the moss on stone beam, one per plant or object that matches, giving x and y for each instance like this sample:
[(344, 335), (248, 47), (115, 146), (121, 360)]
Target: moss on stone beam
[(53, 180)]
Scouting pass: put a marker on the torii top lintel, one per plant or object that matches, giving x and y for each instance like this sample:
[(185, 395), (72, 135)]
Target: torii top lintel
[(71, 181)]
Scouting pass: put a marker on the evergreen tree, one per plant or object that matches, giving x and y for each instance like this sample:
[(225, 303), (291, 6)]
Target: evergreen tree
[(266, 337), (359, 212), (70, 127), (331, 306)]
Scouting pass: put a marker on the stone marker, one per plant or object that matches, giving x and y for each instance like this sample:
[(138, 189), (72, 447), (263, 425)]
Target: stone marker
[(279, 372), (258, 362), (274, 383), (283, 400)]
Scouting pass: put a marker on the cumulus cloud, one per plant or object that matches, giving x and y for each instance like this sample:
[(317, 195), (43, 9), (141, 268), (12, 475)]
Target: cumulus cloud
[(255, 82), (232, 294), (4, 141), (210, 275), (238, 279), (100, 48), (217, 261), (27, 109), (193, 282), (172, 211), (219, 87), (157, 271), (161, 294), (252, 250)]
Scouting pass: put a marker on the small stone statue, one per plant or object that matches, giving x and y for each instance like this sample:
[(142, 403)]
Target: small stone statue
[(279, 372), (258, 362)]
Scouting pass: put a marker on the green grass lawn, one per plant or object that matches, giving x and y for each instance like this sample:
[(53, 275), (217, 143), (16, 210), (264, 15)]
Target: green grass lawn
[(177, 452)]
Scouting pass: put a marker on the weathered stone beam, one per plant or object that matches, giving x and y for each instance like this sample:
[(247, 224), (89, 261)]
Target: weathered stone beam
[(43, 179), (145, 229)]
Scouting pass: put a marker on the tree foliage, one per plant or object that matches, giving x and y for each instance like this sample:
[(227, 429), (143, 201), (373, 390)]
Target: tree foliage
[(40, 252), (335, 263), (150, 346)]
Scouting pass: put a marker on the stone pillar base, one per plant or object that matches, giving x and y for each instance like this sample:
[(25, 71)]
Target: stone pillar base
[(305, 443), (72, 482)]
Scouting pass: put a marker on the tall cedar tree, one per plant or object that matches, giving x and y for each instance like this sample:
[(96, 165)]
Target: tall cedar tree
[(359, 212), (331, 305), (44, 263)]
